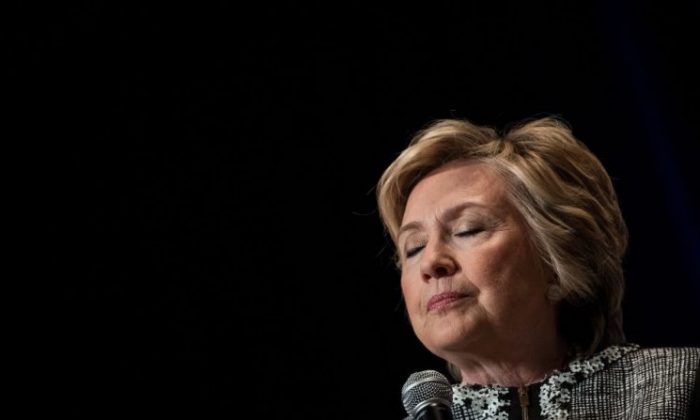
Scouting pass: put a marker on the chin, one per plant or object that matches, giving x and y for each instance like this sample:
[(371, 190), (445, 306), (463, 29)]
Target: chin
[(448, 330), (445, 339)]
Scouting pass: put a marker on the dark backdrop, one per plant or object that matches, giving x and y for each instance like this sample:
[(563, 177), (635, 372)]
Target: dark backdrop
[(213, 231)]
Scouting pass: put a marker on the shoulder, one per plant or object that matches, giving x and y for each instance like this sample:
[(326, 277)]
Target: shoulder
[(644, 383), (662, 371), (665, 380), (639, 370), (664, 359)]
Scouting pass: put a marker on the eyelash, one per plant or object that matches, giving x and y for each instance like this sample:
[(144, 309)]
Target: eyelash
[(413, 251), (466, 233), (469, 232)]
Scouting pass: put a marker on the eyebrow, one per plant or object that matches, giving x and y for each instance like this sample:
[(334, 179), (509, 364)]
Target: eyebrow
[(448, 214)]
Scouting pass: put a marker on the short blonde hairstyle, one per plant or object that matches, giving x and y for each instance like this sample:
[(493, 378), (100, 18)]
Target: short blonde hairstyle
[(566, 197)]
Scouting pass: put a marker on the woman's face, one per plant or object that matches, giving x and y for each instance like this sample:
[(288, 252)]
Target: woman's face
[(470, 277)]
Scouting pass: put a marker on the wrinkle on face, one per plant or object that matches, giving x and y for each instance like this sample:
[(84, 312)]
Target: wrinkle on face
[(498, 267)]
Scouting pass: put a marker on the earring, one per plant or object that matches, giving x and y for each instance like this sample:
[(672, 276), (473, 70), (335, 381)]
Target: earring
[(555, 293)]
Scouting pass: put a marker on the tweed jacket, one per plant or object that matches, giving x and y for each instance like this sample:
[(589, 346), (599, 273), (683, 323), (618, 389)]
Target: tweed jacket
[(620, 382)]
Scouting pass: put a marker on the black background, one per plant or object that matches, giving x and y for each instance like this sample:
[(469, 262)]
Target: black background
[(210, 170)]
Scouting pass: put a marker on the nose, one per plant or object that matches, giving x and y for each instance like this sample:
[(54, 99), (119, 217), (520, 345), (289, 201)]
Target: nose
[(438, 261)]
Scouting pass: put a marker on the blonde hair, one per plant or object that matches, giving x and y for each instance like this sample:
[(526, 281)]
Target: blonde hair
[(566, 197)]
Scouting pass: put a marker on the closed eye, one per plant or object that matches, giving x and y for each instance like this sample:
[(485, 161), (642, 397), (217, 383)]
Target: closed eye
[(413, 251), (469, 232)]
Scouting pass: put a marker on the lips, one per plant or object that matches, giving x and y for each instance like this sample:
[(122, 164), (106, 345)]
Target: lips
[(442, 299)]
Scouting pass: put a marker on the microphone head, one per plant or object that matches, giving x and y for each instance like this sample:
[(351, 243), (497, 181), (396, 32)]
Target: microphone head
[(421, 388)]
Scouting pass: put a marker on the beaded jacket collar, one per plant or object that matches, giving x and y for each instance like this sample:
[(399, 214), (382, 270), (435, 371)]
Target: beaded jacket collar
[(492, 402)]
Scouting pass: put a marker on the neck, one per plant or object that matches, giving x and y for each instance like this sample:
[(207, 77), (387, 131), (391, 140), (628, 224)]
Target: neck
[(531, 363)]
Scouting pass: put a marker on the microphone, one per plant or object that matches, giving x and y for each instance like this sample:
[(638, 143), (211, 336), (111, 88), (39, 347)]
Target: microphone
[(427, 395)]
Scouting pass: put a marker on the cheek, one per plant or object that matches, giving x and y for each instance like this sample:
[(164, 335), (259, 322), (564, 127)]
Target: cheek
[(520, 293), (488, 262), (499, 264), (411, 293)]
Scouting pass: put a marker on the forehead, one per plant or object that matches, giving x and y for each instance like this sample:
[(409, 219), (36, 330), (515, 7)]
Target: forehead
[(455, 183)]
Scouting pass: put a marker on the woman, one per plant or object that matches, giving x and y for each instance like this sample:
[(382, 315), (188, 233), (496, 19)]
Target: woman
[(510, 248)]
